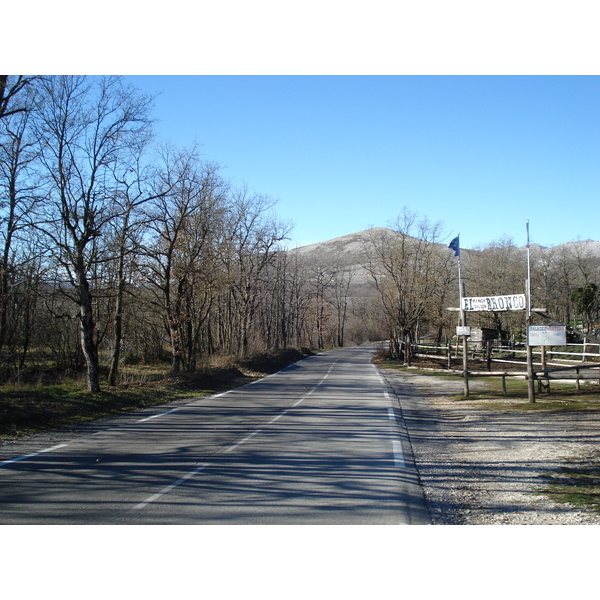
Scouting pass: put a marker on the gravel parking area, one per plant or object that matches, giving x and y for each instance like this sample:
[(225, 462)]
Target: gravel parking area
[(483, 466)]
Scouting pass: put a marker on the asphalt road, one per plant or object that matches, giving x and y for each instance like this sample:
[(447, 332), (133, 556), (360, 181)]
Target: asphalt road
[(321, 442)]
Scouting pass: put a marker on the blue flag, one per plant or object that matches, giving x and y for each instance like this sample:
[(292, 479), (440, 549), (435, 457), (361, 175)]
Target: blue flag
[(455, 246)]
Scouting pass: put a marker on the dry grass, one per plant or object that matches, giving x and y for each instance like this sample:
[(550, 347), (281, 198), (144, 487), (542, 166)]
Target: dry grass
[(28, 408)]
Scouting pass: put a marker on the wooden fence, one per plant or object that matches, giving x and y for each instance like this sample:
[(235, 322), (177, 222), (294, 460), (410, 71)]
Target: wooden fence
[(576, 370)]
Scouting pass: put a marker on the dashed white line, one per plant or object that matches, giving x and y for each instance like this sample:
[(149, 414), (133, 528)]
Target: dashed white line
[(277, 417), (170, 487), (234, 446), (189, 475)]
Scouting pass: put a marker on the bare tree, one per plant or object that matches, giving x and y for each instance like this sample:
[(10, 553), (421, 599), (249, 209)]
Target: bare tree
[(85, 129), (340, 299), (404, 266), (252, 243), (320, 282), (495, 269), (10, 89), (19, 197), (184, 220), (127, 231)]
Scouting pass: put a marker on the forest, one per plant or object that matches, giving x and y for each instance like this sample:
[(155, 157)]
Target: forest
[(118, 248)]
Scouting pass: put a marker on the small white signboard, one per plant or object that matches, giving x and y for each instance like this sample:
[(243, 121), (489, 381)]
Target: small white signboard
[(495, 303), (547, 335), (463, 330)]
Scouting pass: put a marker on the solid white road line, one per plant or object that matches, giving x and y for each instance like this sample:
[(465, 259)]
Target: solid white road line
[(396, 444), (12, 460), (378, 374), (158, 415), (398, 456)]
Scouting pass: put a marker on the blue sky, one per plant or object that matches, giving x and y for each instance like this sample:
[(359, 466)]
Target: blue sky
[(481, 154)]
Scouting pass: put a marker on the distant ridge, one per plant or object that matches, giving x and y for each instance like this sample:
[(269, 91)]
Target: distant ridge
[(345, 242), (351, 242)]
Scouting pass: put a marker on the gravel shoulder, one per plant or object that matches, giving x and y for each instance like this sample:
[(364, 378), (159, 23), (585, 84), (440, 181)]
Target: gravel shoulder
[(481, 466)]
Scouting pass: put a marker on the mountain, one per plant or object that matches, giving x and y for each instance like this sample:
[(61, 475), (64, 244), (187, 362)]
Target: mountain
[(348, 252), (350, 248)]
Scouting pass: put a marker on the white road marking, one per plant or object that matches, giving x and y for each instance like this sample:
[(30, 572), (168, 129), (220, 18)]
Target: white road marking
[(234, 446), (170, 487), (398, 456), (316, 386), (189, 475), (277, 417), (396, 444), (378, 374), (13, 460), (158, 415)]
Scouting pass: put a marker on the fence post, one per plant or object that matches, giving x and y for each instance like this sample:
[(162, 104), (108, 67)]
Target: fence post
[(540, 382), (488, 355)]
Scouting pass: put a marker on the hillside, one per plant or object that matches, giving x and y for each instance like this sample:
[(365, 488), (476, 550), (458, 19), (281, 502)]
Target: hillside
[(350, 249), (350, 253)]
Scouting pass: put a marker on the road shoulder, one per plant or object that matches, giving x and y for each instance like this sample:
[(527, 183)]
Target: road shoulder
[(484, 467)]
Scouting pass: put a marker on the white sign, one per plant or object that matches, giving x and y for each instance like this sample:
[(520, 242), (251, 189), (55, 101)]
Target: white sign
[(460, 330), (547, 335), (495, 303)]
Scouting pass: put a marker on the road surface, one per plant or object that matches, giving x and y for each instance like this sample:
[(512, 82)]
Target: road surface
[(321, 442)]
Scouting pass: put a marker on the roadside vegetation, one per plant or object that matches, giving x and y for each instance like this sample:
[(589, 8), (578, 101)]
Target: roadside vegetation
[(31, 406), (576, 483)]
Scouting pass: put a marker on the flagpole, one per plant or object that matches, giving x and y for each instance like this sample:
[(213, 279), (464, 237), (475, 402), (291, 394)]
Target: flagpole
[(530, 373), (463, 322), (455, 246), (463, 316), (528, 274)]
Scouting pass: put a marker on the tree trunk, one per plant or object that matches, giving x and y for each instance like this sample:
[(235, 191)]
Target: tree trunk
[(88, 345), (176, 347), (118, 322)]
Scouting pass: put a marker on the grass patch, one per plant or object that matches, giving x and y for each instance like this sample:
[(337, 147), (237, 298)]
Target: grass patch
[(577, 483), (561, 397), (398, 366), (30, 409)]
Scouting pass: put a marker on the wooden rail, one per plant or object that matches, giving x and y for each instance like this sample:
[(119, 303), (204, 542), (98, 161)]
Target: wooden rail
[(559, 371)]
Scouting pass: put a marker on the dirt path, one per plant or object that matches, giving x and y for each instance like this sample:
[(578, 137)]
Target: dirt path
[(482, 466)]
